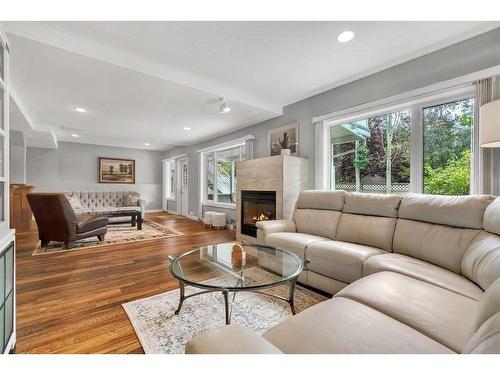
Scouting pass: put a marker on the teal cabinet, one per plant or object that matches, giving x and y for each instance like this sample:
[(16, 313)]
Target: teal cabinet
[(7, 300)]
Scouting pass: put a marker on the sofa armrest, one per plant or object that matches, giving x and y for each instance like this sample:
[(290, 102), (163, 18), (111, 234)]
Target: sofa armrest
[(230, 339), (142, 205), (273, 226)]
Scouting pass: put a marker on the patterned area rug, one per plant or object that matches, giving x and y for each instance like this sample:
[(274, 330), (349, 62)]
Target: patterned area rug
[(117, 234), (160, 331)]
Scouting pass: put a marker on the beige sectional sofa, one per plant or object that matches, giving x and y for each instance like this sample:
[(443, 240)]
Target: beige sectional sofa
[(411, 274)]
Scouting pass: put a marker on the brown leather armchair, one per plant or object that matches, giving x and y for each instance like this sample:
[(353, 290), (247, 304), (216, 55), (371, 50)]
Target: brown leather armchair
[(57, 221)]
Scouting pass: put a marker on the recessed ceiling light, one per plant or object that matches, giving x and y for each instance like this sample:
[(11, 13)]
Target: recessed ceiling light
[(223, 107), (147, 144), (75, 135), (80, 109), (187, 128), (345, 36)]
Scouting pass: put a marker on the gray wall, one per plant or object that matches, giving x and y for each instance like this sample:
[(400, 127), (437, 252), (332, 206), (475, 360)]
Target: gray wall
[(17, 157), (74, 166), (469, 56)]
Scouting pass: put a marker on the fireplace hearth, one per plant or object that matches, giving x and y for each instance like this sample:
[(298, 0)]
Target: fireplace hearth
[(256, 206)]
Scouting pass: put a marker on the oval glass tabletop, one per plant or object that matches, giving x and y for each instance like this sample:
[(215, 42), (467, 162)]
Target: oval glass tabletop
[(219, 267)]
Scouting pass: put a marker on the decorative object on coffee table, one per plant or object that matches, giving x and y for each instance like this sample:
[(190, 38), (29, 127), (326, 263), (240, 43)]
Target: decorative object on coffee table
[(116, 171), (218, 258), (286, 137)]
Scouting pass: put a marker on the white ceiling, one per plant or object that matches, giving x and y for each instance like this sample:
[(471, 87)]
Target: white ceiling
[(145, 81)]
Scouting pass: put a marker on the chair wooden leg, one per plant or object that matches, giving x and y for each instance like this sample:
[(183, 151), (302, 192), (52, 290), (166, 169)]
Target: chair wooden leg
[(68, 245), (101, 237)]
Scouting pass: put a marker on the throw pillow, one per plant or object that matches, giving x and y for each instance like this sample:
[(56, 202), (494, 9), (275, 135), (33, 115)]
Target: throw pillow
[(131, 200), (74, 202)]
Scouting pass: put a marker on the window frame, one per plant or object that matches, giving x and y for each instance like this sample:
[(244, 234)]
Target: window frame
[(238, 143), (171, 179), (416, 108)]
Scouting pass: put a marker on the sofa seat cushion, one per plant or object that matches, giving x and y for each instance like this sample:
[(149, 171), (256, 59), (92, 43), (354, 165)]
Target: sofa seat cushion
[(438, 313), (105, 209), (230, 339), (294, 242), (343, 326), (424, 271), (129, 208), (339, 260), (87, 223)]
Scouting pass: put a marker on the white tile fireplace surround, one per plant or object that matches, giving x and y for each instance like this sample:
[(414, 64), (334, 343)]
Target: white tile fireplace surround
[(260, 180)]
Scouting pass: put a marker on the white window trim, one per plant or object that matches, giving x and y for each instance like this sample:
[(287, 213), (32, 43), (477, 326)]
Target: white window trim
[(203, 172), (415, 105), (166, 189)]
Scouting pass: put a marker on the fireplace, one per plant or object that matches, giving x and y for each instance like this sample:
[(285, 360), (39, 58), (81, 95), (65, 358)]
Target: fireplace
[(256, 206)]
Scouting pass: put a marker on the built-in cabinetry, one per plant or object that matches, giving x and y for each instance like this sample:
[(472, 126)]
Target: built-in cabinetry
[(7, 241)]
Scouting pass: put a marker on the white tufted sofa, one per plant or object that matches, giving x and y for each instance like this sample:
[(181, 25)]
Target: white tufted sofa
[(102, 201)]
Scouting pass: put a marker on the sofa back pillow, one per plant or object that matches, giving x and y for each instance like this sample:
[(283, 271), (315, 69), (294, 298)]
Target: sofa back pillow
[(367, 230), (457, 211), (437, 244), (131, 200), (74, 202), (372, 204)]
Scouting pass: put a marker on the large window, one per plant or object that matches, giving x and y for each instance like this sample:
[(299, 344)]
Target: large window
[(423, 146), (372, 154), (219, 166), (448, 147)]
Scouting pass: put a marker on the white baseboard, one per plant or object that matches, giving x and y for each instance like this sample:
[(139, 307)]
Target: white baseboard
[(192, 217), (153, 211), (171, 212)]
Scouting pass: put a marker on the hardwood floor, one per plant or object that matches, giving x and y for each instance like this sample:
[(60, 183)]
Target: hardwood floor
[(71, 302)]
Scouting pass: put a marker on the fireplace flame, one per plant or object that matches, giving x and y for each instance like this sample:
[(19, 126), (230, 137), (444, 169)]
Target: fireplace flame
[(260, 217)]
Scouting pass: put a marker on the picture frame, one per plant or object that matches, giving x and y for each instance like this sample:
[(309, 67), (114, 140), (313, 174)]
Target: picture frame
[(116, 171), (282, 138)]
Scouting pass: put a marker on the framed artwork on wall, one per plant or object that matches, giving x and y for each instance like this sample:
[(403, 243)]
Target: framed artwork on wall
[(116, 171), (286, 137)]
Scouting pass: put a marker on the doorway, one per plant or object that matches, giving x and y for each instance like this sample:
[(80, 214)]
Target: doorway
[(183, 187)]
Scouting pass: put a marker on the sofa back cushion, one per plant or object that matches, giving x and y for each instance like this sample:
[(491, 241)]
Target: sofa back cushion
[(319, 222), (372, 204), (481, 261), (367, 230), (438, 244), (321, 199), (457, 211), (318, 212), (492, 217)]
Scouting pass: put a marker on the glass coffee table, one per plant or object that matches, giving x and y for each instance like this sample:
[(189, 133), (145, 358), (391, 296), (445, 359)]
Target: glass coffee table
[(261, 268)]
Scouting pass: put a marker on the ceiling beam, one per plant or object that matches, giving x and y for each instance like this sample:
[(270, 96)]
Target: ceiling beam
[(45, 34)]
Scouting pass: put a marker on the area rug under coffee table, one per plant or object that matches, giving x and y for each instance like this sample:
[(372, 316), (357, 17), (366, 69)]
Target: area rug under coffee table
[(160, 331), (117, 234)]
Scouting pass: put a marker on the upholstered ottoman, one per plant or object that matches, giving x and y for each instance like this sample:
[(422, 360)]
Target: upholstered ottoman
[(218, 220), (207, 219)]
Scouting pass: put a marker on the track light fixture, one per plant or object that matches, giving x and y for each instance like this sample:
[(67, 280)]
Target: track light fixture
[(223, 107)]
